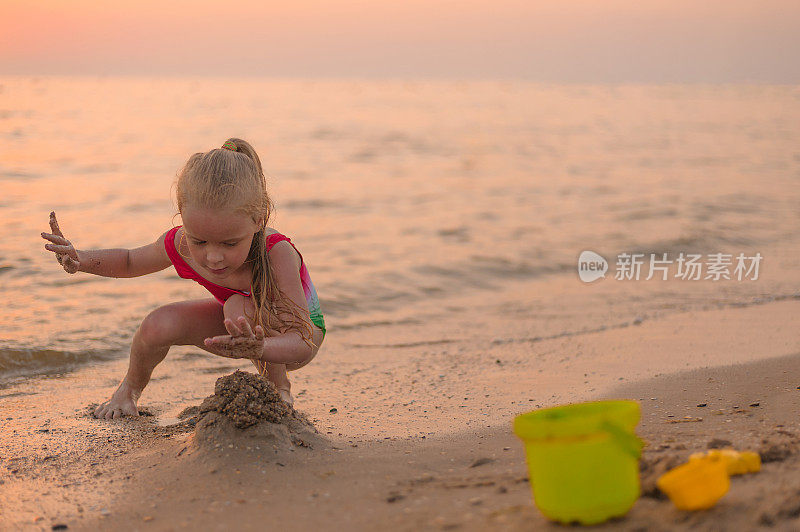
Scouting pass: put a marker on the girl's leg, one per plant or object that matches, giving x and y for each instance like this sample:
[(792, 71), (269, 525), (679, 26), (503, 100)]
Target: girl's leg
[(184, 323), (276, 373)]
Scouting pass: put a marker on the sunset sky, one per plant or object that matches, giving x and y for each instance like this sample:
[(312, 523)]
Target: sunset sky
[(555, 41)]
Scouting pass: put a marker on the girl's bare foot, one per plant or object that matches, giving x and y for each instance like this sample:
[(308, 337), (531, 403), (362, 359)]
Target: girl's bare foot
[(122, 403), (286, 395), (277, 374)]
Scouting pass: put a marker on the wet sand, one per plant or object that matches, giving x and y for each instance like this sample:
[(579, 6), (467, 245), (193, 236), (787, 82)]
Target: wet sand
[(436, 455)]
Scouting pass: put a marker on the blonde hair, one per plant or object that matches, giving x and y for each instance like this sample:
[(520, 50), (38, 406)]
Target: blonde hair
[(232, 177)]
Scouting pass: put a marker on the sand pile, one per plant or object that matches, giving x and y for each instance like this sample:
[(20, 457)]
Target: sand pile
[(246, 399), (246, 411)]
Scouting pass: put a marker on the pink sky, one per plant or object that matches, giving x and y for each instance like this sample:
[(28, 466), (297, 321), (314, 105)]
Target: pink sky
[(561, 40)]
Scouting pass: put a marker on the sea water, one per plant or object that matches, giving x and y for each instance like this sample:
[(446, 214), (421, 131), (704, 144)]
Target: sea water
[(401, 195)]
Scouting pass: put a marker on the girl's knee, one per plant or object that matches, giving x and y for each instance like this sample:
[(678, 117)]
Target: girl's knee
[(293, 366), (159, 328)]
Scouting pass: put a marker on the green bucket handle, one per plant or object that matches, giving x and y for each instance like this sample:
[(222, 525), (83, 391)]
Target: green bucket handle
[(629, 442)]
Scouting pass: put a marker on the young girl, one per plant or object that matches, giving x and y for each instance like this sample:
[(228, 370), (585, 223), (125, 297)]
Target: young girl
[(265, 306)]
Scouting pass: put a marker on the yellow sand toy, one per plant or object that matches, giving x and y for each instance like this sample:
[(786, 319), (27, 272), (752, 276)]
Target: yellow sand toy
[(700, 483), (737, 463), (696, 485), (583, 459)]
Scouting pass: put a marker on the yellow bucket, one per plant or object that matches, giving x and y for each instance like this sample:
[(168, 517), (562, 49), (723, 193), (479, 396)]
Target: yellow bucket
[(583, 459)]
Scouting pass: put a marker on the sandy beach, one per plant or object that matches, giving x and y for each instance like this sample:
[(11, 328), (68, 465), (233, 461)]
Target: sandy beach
[(428, 451)]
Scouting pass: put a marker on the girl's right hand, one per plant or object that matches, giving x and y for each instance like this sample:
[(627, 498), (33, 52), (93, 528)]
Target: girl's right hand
[(65, 252)]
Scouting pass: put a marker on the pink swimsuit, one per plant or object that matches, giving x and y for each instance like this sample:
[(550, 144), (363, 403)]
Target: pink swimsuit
[(222, 293)]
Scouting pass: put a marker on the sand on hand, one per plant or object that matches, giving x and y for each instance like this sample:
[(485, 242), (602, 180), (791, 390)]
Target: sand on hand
[(246, 411)]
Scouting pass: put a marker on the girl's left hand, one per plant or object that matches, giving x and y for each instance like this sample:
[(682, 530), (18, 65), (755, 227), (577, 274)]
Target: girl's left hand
[(241, 343)]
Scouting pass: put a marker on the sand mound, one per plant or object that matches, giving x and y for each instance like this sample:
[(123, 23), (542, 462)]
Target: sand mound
[(246, 399), (246, 411)]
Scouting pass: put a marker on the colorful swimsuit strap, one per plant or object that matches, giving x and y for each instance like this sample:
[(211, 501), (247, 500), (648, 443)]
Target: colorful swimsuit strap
[(274, 238), (182, 267)]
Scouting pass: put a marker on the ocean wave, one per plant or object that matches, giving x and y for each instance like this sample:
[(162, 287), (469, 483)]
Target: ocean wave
[(711, 241), (20, 361), (15, 174)]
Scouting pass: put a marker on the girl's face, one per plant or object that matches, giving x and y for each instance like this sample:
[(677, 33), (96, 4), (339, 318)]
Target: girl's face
[(218, 239)]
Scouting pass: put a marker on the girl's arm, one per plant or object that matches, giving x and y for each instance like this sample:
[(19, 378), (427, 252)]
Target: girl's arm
[(125, 262), (106, 262)]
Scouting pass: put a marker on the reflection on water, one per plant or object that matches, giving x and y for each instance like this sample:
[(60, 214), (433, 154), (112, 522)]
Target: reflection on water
[(396, 193)]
